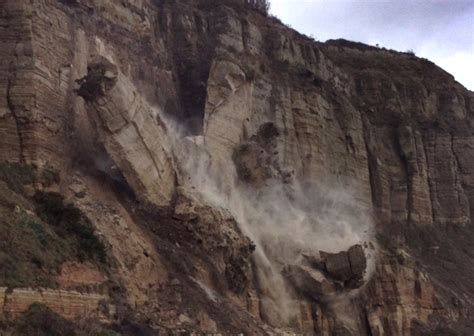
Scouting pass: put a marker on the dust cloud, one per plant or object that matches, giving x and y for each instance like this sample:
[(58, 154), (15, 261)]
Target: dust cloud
[(284, 220)]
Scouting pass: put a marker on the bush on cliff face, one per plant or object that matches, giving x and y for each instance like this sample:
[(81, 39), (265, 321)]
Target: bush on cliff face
[(40, 320), (30, 252), (69, 221), (17, 175), (38, 235)]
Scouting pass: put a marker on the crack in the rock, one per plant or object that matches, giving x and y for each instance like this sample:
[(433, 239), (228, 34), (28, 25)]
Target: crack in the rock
[(431, 180), (409, 173), (427, 177), (13, 111), (458, 183), (375, 190)]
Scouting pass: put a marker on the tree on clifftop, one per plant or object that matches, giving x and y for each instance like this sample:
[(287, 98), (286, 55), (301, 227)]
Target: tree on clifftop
[(262, 6)]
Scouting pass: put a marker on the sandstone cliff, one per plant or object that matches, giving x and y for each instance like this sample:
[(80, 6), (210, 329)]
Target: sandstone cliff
[(219, 155)]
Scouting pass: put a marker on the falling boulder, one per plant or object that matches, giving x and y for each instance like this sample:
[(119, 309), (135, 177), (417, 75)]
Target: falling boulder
[(358, 263), (309, 281), (257, 161), (337, 265), (357, 260), (253, 164), (267, 135), (348, 267)]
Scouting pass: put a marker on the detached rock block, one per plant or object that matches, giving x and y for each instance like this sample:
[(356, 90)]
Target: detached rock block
[(357, 260), (345, 266), (133, 135), (253, 164), (338, 265)]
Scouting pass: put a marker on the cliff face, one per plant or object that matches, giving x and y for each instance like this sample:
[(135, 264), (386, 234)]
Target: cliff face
[(215, 151)]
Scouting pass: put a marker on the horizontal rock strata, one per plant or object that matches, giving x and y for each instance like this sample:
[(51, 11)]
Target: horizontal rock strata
[(69, 304)]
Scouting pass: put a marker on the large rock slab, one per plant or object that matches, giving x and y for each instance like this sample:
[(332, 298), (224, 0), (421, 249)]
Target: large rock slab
[(132, 133)]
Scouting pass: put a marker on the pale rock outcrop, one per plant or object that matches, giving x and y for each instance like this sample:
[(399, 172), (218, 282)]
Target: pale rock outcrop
[(133, 134)]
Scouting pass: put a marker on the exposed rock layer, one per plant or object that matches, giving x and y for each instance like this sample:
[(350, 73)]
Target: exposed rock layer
[(69, 304)]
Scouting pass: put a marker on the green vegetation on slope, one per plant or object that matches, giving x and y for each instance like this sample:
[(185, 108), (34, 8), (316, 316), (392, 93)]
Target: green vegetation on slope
[(37, 235), (69, 222)]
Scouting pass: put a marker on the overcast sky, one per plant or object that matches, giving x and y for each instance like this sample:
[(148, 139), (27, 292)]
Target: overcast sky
[(440, 30)]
